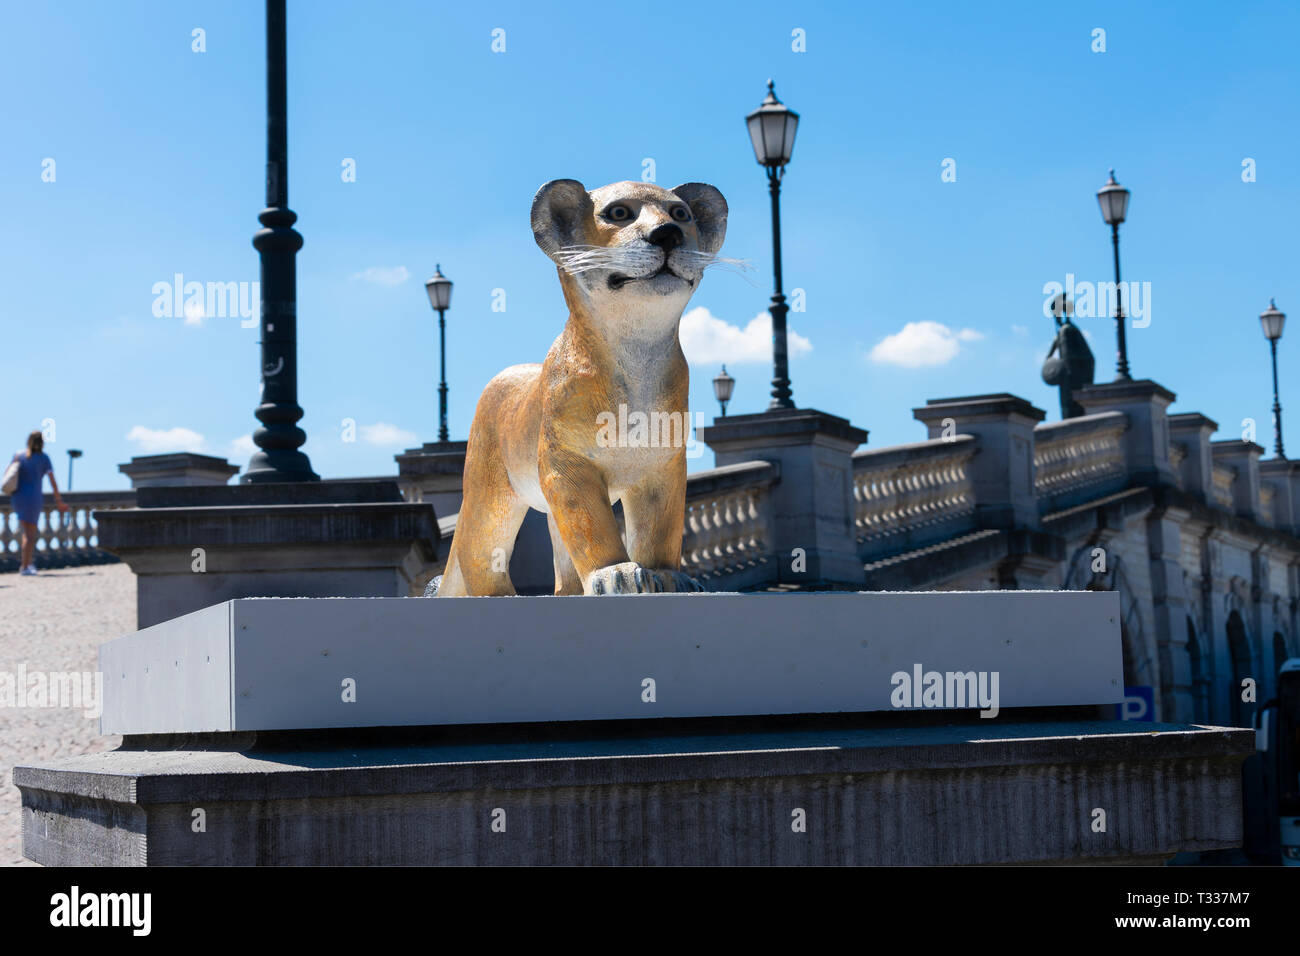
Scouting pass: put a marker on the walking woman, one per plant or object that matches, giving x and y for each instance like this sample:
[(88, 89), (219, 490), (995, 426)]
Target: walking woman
[(33, 466)]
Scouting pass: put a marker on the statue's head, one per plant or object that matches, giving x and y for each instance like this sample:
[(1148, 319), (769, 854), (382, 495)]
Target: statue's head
[(630, 245)]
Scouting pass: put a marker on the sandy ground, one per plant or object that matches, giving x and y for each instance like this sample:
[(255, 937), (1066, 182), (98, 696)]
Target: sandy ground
[(54, 621)]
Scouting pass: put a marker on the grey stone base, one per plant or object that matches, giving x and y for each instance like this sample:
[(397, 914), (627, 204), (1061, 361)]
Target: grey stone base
[(901, 789), (255, 665)]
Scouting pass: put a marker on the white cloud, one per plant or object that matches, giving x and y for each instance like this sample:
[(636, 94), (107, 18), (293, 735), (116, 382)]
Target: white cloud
[(194, 312), (920, 344), (707, 339), (156, 441), (1020, 329), (383, 275), (382, 433), (241, 447)]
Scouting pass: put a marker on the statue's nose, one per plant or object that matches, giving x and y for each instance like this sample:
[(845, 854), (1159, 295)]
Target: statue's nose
[(666, 236)]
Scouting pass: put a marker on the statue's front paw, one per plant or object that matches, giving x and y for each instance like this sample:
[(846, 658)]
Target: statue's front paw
[(677, 581), (625, 578), (630, 578)]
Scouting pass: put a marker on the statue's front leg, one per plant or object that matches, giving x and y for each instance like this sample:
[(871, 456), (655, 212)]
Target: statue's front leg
[(655, 512), (578, 498)]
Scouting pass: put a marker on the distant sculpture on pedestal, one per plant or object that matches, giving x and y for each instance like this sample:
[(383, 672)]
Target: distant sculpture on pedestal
[(604, 418), (1070, 364)]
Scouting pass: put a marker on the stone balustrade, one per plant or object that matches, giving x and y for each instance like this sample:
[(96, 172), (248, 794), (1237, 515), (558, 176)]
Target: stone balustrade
[(1079, 458), (793, 483), (62, 538), (729, 520), (905, 494)]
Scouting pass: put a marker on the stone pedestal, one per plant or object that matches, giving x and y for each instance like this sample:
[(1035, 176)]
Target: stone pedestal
[(658, 728), (1243, 458), (1002, 471), (434, 473), (892, 790), (1146, 443), (1284, 476), (281, 665), (812, 504), (638, 729), (1193, 431), (180, 468), (191, 547)]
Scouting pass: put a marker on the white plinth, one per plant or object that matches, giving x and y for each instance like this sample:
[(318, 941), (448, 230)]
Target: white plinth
[(286, 663)]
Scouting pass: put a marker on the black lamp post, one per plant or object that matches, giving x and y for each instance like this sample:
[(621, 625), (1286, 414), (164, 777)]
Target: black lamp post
[(75, 453), (1272, 320), (771, 131), (722, 386), (279, 439), (1113, 199), (439, 289)]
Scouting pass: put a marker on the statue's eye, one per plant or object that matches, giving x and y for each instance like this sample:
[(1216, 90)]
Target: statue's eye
[(682, 213), (618, 213)]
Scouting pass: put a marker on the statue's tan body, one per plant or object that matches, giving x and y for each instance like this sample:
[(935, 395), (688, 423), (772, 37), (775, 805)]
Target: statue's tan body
[(534, 441)]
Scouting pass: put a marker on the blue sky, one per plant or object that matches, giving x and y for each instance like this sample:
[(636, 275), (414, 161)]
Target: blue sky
[(158, 159)]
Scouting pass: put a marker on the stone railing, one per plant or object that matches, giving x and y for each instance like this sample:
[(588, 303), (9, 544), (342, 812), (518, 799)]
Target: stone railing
[(62, 538), (1224, 476), (906, 493), (1077, 458), (729, 520)]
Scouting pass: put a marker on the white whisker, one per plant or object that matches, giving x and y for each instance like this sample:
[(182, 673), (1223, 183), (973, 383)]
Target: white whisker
[(709, 260), (580, 259), (637, 260)]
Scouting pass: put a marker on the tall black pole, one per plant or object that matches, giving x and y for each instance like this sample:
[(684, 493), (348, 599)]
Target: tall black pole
[(780, 357), (442, 387), (279, 438), (1277, 406), (1121, 368)]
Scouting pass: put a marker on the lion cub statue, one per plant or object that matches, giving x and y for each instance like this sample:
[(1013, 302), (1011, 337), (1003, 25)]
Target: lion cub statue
[(629, 256)]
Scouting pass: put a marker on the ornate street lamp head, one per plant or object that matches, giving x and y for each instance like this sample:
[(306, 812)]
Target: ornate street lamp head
[(439, 289), (1113, 199), (771, 131), (722, 386), (1272, 321)]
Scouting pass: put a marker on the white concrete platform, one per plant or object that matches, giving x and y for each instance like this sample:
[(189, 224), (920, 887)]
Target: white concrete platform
[(300, 663)]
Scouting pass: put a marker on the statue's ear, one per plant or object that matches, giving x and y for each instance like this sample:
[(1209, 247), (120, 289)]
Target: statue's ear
[(710, 212), (559, 210)]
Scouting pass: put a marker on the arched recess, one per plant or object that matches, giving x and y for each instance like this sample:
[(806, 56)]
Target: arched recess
[(1200, 678), (1279, 651), (1239, 654), (1139, 666)]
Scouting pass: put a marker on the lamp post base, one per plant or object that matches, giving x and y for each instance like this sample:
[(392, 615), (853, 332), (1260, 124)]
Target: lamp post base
[(278, 466), (781, 392)]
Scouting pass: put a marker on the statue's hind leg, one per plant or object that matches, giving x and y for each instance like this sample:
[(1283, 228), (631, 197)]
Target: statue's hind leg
[(566, 575), (490, 516)]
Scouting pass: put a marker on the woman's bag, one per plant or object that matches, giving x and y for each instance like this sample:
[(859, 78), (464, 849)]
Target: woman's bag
[(10, 483)]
